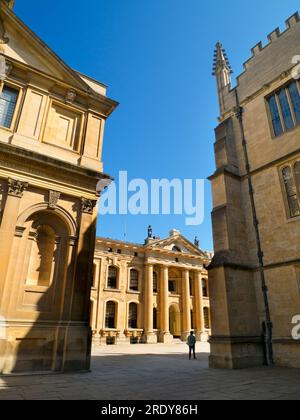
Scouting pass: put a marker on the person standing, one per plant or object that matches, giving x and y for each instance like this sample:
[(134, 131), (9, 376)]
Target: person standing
[(191, 342)]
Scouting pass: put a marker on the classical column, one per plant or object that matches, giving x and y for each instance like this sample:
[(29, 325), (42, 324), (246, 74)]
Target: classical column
[(8, 226), (186, 305), (165, 336), (199, 306), (150, 337)]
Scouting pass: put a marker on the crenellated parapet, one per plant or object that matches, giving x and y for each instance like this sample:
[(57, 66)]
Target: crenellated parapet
[(261, 67)]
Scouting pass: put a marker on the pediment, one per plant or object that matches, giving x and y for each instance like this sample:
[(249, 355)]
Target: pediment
[(177, 244), (27, 48)]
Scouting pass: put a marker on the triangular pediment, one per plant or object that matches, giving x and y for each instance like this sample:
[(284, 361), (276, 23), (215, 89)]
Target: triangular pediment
[(178, 244), (25, 47)]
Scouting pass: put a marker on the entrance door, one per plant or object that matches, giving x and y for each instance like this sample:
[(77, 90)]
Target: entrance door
[(175, 321)]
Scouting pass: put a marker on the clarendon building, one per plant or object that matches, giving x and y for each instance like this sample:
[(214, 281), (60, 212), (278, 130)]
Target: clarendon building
[(150, 293), (255, 274), (51, 173)]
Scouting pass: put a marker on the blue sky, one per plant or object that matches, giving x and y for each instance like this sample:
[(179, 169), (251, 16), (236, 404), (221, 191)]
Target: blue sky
[(156, 58)]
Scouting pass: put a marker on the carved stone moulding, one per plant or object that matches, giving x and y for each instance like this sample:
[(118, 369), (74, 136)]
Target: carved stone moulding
[(87, 206), (16, 188), (54, 196)]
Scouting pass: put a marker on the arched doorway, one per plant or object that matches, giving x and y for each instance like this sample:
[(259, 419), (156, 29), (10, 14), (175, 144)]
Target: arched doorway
[(175, 325)]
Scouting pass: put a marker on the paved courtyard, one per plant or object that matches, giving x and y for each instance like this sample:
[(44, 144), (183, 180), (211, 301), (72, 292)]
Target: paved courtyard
[(155, 372)]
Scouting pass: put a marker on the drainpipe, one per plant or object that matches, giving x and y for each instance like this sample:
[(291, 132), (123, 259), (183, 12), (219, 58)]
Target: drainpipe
[(267, 326)]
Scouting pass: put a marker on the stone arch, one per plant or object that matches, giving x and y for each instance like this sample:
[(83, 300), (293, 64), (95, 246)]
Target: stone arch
[(43, 207)]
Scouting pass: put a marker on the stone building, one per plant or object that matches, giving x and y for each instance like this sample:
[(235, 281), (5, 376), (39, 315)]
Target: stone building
[(255, 273), (149, 293), (51, 134)]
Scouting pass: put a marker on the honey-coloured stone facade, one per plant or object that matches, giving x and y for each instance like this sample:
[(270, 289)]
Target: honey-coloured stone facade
[(254, 275), (51, 134), (150, 293)]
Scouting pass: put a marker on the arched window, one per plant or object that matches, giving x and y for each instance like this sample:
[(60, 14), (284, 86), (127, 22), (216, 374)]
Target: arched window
[(206, 318), (204, 288), (155, 283), (134, 280), (42, 257), (291, 191), (155, 319), (176, 249), (112, 280), (133, 316), (110, 316)]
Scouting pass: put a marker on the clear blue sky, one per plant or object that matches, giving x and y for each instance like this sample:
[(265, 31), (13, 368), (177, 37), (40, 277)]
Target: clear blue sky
[(156, 58)]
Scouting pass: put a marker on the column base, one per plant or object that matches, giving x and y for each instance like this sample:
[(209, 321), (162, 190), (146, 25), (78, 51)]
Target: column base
[(150, 338), (202, 337), (185, 335), (166, 338)]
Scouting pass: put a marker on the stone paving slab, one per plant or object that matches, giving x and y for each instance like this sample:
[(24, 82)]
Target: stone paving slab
[(155, 372)]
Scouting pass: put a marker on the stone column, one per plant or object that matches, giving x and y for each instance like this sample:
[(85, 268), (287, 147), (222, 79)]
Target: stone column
[(165, 336), (8, 227), (199, 306), (149, 336), (186, 305)]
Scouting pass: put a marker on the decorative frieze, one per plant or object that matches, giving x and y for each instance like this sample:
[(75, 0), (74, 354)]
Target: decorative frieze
[(16, 188), (87, 206)]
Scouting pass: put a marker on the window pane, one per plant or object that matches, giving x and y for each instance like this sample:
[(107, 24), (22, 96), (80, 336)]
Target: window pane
[(8, 100), (132, 322), (110, 315), (112, 278), (286, 110), (275, 116), (295, 97), (134, 280), (291, 192)]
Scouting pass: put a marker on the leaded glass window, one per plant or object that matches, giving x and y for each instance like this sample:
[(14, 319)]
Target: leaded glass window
[(8, 102), (277, 126), (284, 106)]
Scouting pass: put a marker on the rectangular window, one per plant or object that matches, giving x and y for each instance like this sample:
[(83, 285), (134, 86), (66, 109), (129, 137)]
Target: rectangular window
[(277, 126), (286, 110), (172, 286), (295, 98), (8, 102), (284, 106)]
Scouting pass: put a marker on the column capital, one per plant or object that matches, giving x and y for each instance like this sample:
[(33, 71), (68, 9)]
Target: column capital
[(87, 206), (16, 188)]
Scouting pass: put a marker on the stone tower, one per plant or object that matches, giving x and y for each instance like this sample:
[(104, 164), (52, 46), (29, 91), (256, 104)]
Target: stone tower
[(51, 134), (254, 276)]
